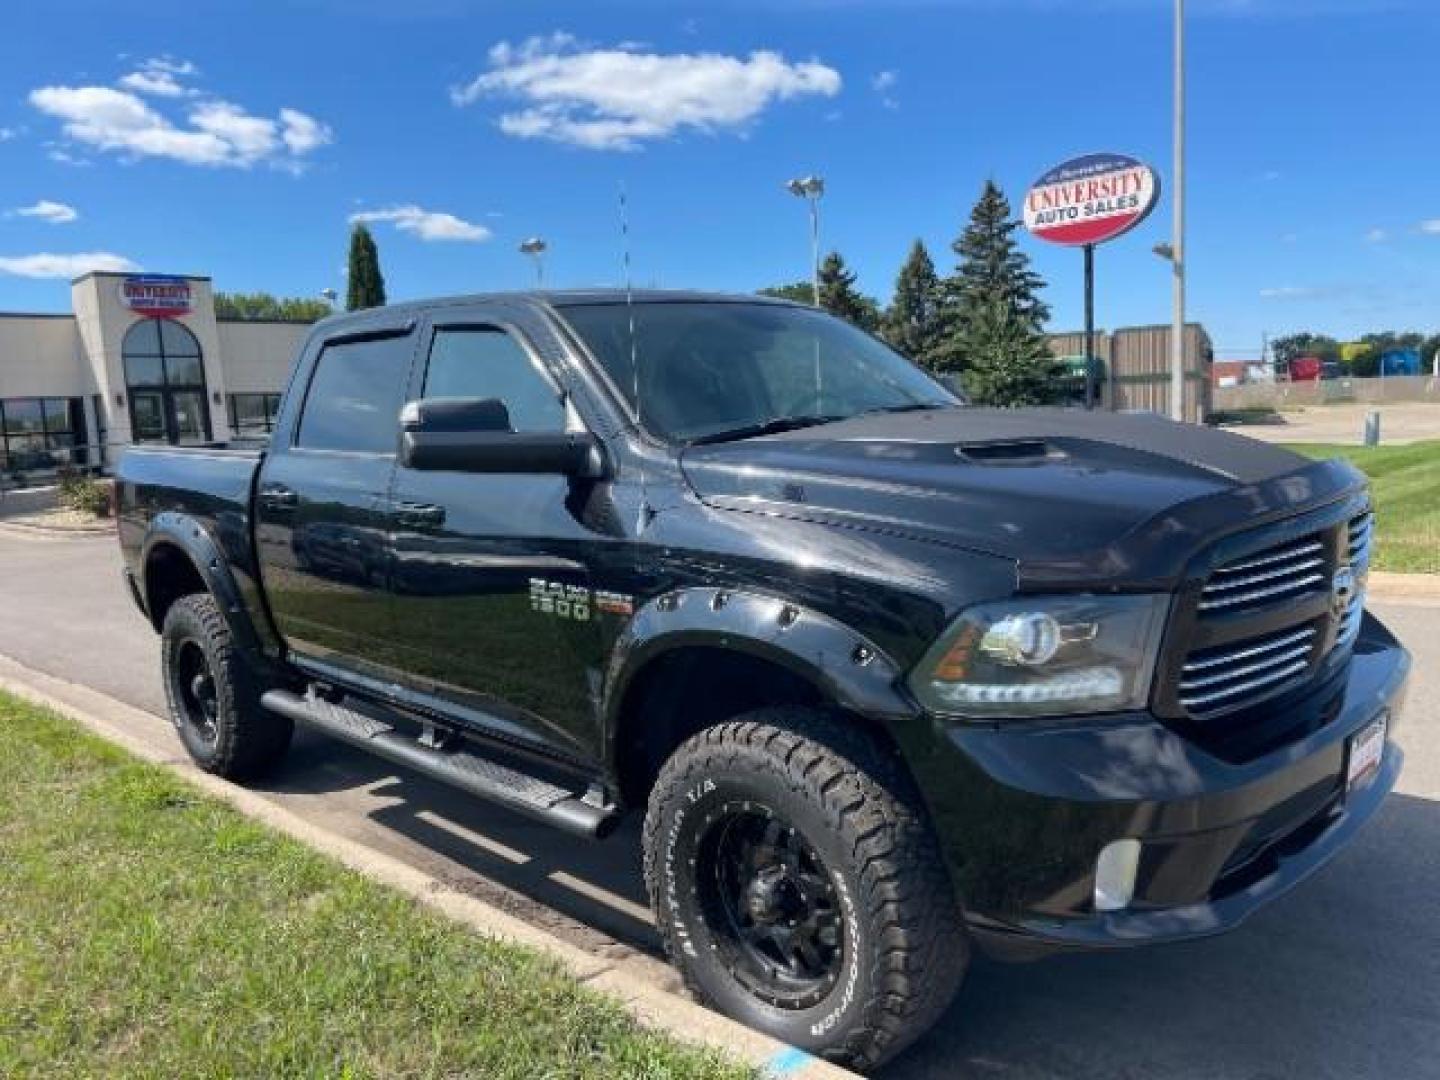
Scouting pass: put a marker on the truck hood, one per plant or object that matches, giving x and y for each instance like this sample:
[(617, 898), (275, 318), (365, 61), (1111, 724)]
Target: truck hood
[(1059, 491)]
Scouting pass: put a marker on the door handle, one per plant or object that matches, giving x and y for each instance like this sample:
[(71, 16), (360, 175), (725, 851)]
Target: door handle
[(419, 515), (278, 497)]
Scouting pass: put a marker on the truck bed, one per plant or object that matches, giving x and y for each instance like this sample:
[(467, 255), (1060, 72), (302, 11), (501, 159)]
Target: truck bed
[(211, 485)]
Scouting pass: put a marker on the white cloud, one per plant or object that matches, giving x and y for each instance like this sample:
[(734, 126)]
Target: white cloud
[(426, 224), (64, 266), (1377, 236), (6, 134), (617, 99), (160, 77), (1294, 292), (303, 133), (57, 213), (158, 84), (218, 133), (883, 83), (1431, 226)]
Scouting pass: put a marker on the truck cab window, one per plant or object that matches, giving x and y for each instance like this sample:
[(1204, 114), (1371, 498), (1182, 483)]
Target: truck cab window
[(489, 363), (355, 395)]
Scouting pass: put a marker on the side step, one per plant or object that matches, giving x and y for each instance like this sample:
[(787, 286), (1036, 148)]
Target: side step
[(459, 768)]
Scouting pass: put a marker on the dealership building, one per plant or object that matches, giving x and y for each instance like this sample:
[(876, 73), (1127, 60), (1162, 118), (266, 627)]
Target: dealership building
[(140, 358)]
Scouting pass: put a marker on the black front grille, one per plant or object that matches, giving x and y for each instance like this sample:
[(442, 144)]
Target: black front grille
[(1266, 617)]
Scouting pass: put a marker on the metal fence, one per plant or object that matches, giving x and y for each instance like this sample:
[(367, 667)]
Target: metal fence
[(1298, 395)]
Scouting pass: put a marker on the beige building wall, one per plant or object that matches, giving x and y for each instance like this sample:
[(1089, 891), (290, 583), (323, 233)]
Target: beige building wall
[(257, 356), (40, 357)]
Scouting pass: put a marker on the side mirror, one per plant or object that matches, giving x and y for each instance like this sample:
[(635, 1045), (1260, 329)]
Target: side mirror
[(474, 436)]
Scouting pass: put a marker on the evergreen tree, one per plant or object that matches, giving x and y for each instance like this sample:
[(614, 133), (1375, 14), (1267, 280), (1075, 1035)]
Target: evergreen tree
[(1008, 363), (992, 314), (802, 292), (839, 296), (367, 285), (913, 323)]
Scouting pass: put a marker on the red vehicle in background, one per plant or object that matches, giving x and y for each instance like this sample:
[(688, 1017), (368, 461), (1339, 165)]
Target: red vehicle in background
[(1305, 369)]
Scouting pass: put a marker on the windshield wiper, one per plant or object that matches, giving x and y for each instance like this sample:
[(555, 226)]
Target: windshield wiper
[(773, 426), (914, 406)]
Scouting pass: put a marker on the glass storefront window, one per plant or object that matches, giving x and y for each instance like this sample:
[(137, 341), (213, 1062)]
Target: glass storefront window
[(165, 377), (24, 415), (39, 434), (253, 414)]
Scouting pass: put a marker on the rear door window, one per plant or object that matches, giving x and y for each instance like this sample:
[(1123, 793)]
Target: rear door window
[(357, 389)]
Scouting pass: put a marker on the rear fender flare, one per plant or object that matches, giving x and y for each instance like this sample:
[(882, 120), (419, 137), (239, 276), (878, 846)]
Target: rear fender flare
[(199, 546)]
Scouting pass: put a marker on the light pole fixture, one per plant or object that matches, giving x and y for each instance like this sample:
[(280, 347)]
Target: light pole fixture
[(1177, 239), (810, 188), (535, 247)]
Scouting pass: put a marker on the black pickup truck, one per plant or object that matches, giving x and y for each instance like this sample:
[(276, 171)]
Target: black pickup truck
[(889, 677)]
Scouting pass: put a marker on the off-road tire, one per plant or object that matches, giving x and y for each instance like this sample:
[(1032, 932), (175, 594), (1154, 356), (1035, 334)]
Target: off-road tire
[(906, 947), (247, 738)]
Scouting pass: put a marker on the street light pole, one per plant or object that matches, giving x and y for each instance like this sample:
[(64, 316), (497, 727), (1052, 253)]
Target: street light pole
[(1177, 242), (810, 188), (535, 248)]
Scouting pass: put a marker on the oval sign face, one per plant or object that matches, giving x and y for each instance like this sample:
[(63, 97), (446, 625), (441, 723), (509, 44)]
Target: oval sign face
[(1091, 199), (160, 296)]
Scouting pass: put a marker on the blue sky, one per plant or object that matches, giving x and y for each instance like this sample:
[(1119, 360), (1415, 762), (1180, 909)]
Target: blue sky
[(239, 139)]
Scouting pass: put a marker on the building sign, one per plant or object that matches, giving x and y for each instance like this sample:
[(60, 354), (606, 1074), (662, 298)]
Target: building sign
[(1091, 199), (160, 296)]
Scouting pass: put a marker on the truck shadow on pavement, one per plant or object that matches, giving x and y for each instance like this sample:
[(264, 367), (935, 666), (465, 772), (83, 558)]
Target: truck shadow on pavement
[(589, 892), (1340, 978)]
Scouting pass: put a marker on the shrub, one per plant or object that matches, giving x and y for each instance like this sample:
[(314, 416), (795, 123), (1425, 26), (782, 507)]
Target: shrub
[(84, 494)]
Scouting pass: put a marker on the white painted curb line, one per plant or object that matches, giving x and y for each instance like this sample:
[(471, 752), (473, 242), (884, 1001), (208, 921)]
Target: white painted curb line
[(651, 1005)]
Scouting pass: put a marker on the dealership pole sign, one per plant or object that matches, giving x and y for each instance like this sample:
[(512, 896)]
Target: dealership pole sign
[(160, 296), (1091, 199), (1086, 201)]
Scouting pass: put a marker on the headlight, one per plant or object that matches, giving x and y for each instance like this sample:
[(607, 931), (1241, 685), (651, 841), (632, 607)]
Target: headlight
[(1046, 656)]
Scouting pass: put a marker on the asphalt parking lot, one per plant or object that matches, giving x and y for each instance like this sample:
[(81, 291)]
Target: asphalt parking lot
[(1341, 979)]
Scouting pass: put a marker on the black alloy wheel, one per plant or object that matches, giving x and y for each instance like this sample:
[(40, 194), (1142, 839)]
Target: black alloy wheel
[(774, 910)]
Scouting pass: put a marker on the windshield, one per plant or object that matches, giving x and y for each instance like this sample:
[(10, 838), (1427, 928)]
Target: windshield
[(714, 370)]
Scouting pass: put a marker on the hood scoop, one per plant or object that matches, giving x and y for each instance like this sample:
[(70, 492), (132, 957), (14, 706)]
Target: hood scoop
[(1009, 452)]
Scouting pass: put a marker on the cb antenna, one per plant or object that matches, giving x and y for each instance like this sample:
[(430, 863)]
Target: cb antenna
[(645, 513)]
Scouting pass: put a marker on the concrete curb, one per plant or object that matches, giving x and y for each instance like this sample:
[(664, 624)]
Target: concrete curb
[(651, 1005), (75, 532), (1404, 588)]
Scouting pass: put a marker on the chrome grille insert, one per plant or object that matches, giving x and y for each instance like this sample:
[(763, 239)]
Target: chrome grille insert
[(1285, 571), (1214, 679), (1360, 536)]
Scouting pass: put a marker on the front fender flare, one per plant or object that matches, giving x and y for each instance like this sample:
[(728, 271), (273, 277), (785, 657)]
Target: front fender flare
[(851, 671)]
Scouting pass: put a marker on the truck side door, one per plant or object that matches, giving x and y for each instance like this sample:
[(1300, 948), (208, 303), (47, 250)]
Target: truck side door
[(492, 582), (322, 504)]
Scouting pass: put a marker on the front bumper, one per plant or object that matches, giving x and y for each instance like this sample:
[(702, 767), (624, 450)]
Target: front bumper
[(1023, 812)]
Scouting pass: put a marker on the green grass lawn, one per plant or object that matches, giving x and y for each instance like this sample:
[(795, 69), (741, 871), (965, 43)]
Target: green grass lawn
[(1405, 481), (149, 930)]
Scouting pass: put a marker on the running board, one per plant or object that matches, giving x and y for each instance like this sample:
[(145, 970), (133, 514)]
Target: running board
[(480, 776)]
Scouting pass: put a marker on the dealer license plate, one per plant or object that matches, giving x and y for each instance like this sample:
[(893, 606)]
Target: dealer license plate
[(1367, 747)]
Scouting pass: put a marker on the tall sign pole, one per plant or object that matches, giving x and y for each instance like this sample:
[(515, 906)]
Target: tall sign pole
[(1177, 242), (1086, 201), (1089, 326)]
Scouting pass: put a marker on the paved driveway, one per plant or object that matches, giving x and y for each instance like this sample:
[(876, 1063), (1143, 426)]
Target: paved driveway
[(1341, 979)]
